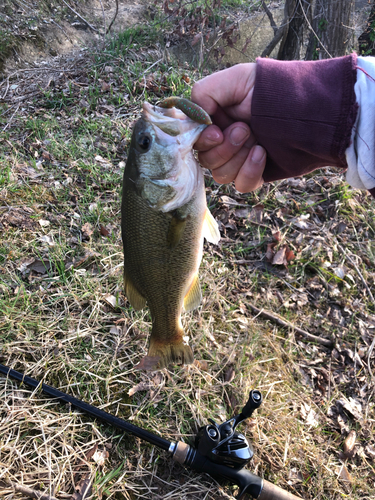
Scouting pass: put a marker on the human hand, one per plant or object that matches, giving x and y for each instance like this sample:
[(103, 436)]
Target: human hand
[(228, 147)]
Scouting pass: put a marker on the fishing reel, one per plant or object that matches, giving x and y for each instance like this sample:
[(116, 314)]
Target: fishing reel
[(222, 444)]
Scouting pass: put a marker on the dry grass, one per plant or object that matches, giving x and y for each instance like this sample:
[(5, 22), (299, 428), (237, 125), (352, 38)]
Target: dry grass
[(57, 325)]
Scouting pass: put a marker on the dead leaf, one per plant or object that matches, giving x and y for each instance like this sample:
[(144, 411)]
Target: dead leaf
[(279, 257), (349, 444), (344, 474), (301, 222), (340, 272), (352, 406), (270, 253), (289, 255), (201, 364), (340, 228), (87, 230), (104, 231), (148, 363), (158, 379), (100, 457), (196, 39), (227, 201), (40, 266), (370, 451), (111, 300), (229, 374), (276, 236), (309, 415), (47, 239), (83, 487), (295, 476), (46, 156), (18, 217), (44, 223), (242, 213)]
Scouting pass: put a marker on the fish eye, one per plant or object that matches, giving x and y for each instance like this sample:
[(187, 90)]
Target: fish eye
[(144, 142)]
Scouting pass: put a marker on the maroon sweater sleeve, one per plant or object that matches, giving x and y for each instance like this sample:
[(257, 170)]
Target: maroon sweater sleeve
[(302, 113)]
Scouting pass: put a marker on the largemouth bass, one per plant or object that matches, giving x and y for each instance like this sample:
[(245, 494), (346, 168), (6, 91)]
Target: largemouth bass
[(164, 220)]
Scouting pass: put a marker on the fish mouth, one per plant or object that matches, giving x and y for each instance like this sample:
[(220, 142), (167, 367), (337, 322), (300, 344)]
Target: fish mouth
[(172, 122)]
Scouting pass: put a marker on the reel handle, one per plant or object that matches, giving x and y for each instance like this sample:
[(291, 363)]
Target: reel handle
[(253, 403)]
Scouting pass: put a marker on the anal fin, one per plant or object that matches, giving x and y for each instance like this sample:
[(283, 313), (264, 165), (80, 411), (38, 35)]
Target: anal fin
[(134, 297), (194, 296)]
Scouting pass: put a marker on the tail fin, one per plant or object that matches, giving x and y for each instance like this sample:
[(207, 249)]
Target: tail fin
[(161, 354)]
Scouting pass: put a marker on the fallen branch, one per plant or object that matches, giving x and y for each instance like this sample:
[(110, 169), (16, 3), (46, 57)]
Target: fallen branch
[(82, 18), (286, 324), (11, 118), (31, 493)]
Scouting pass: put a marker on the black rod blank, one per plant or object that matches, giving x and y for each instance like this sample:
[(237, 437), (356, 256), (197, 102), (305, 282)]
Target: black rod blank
[(89, 409)]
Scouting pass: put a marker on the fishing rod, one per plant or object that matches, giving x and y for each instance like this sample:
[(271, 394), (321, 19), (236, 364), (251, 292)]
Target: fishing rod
[(220, 450)]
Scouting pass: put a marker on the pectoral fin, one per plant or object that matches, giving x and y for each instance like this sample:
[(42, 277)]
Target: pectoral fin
[(210, 228), (134, 297), (175, 231), (194, 296)]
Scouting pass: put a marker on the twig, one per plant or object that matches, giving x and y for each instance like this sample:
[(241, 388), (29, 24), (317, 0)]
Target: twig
[(11, 118), (152, 65), (286, 324), (113, 20), (59, 70), (309, 24), (82, 18), (6, 90), (371, 297), (31, 493), (278, 32), (105, 23), (270, 17)]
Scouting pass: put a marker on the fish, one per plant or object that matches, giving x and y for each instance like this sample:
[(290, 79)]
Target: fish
[(164, 219)]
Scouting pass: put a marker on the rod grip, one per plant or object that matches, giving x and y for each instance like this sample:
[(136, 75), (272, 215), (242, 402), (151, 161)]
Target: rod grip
[(272, 492)]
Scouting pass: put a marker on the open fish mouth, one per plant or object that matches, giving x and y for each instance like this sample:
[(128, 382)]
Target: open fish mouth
[(173, 122), (168, 173)]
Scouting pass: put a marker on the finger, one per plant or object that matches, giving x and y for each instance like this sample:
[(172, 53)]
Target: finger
[(229, 171), (210, 137), (234, 138), (225, 88), (250, 175)]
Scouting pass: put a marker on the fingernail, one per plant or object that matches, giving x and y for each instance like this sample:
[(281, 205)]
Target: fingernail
[(258, 153), (213, 136), (238, 135)]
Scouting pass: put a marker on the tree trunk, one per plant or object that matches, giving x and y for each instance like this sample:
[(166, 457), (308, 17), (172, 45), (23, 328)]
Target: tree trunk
[(366, 41), (330, 24), (296, 13)]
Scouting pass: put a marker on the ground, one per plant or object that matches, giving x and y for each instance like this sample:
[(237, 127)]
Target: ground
[(288, 306)]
